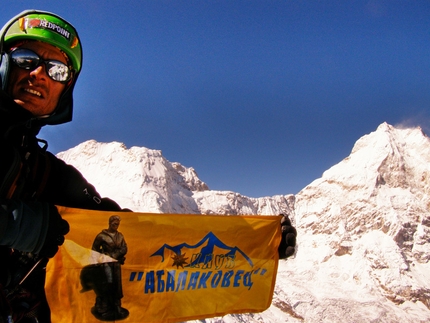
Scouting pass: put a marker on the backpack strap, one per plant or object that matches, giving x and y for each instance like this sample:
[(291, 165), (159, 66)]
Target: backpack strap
[(44, 165), (25, 173), (11, 172)]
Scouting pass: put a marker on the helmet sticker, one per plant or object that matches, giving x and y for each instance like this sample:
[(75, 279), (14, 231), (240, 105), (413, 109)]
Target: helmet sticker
[(74, 42), (25, 23)]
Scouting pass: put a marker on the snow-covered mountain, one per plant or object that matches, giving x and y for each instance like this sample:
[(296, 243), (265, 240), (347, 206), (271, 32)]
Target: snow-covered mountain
[(143, 180), (363, 227)]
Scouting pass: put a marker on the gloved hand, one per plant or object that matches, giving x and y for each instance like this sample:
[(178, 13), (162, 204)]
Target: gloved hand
[(57, 229), (288, 241)]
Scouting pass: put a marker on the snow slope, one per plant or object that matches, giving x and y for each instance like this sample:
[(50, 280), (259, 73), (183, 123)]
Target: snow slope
[(363, 227)]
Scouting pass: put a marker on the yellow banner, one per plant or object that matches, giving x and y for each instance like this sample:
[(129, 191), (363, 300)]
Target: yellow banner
[(162, 267)]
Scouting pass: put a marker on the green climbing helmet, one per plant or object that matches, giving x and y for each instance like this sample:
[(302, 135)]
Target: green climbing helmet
[(49, 28), (52, 29)]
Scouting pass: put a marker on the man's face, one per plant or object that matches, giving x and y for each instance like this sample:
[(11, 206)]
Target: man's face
[(33, 89), (114, 225)]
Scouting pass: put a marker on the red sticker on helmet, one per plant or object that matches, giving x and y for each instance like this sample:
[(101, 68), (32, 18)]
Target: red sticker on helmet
[(44, 24)]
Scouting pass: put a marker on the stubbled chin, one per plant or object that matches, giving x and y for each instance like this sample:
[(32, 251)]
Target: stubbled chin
[(19, 102), (27, 106)]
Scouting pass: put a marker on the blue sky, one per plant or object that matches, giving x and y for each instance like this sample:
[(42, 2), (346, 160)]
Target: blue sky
[(260, 97)]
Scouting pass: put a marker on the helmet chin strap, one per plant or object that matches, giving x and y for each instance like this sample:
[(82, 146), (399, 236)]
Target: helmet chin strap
[(4, 70)]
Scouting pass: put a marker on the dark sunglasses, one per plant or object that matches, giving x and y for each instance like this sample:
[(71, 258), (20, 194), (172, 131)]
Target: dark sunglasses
[(29, 60)]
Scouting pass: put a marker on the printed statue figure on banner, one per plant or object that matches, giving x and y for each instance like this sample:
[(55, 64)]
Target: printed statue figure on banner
[(105, 279)]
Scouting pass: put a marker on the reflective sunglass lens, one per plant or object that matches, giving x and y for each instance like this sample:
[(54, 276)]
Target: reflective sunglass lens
[(27, 59), (58, 71)]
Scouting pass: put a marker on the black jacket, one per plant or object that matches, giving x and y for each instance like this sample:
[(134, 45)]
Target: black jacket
[(31, 177), (32, 182)]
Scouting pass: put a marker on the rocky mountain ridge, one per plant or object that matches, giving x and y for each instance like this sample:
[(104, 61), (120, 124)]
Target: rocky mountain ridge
[(142, 180)]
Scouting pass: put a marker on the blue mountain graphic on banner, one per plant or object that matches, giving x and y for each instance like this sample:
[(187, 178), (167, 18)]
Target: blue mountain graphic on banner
[(207, 244)]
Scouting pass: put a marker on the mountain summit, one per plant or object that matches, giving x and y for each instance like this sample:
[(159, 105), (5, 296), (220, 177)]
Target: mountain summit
[(363, 227), (384, 185), (142, 180)]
